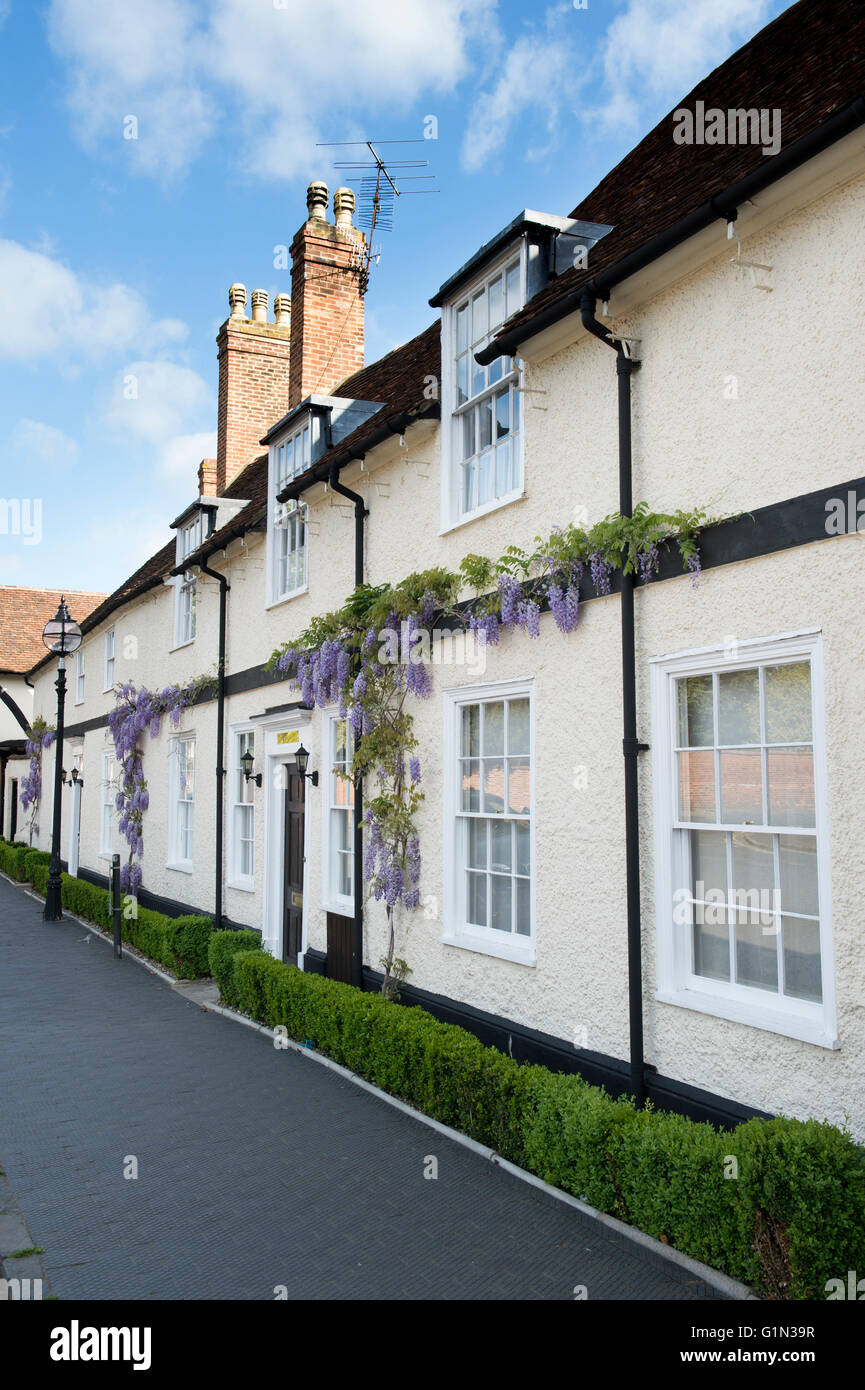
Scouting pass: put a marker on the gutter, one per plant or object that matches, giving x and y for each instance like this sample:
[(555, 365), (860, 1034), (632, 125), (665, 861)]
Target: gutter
[(631, 747), (721, 206)]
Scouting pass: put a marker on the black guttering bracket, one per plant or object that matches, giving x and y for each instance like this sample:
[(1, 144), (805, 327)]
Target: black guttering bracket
[(722, 206), (321, 473)]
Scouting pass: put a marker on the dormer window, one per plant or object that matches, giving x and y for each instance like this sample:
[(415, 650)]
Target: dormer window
[(481, 441), (289, 457), (192, 531)]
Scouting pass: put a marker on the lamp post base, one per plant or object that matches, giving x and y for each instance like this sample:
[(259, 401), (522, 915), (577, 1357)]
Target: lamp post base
[(53, 910)]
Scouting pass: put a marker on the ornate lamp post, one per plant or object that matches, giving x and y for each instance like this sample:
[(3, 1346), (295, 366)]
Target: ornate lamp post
[(61, 636)]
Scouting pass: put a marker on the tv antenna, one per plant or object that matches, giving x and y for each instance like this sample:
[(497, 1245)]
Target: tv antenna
[(378, 184)]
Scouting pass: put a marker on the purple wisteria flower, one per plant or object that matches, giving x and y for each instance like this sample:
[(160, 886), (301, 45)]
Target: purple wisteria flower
[(414, 769), (647, 562), (601, 573), (510, 593)]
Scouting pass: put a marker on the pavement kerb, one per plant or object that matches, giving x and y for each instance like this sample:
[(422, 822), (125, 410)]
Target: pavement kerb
[(731, 1288)]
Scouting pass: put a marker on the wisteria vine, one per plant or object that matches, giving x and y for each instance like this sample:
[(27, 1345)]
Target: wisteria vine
[(138, 711), (350, 658), (42, 736)]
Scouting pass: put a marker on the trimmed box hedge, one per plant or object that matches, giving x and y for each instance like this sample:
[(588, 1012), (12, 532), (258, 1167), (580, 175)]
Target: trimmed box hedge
[(12, 859), (778, 1204)]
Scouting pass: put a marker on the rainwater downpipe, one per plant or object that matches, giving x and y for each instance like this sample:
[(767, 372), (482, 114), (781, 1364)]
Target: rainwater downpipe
[(220, 739), (360, 512), (631, 747)]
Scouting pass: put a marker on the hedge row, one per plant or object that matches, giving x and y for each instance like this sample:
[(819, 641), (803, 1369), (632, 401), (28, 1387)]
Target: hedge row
[(179, 943), (778, 1204)]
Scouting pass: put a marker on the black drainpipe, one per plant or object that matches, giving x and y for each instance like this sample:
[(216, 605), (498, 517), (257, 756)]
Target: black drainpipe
[(360, 512), (631, 747), (220, 739)]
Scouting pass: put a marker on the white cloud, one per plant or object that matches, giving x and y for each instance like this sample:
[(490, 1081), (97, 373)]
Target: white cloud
[(61, 315), (260, 66), (539, 72), (154, 402), (660, 51), (34, 445), (181, 456)]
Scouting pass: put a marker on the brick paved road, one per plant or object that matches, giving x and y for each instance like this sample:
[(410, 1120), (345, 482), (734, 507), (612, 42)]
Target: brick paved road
[(257, 1168)]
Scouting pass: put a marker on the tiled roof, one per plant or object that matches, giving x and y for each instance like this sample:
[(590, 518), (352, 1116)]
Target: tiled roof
[(398, 380), (808, 63), (23, 615)]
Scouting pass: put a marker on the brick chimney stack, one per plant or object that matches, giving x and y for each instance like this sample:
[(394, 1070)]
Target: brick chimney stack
[(326, 298), (207, 478), (254, 363)]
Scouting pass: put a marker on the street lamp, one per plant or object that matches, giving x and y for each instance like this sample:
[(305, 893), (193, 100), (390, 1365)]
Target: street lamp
[(61, 636)]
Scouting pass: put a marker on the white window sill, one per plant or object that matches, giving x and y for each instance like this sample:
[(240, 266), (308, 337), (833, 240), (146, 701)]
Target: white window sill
[(345, 908), (178, 645), (520, 950), (811, 1030), (286, 598), (107, 854), (77, 702), (494, 506), (183, 866), (241, 885)]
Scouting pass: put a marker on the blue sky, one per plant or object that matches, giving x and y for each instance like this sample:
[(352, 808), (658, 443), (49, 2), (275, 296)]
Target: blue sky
[(116, 254)]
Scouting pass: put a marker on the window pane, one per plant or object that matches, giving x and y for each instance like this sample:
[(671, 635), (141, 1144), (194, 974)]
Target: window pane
[(344, 875), (468, 434), (479, 316), (697, 786), (500, 846), (477, 833), (497, 301), (469, 487), (494, 727), (696, 719), (708, 863), (515, 410), (798, 854), (802, 975), (501, 902), (519, 786), (518, 726), (791, 786), (496, 370), (471, 731), (754, 874), (513, 288), (476, 907), (485, 478), (479, 377), (471, 781), (756, 953), (462, 379), (503, 414), (494, 785), (463, 328), (485, 410), (742, 787), (711, 948), (524, 851), (788, 703), (739, 707), (503, 468), (524, 906)]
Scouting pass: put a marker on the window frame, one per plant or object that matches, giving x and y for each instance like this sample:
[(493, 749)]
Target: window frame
[(456, 931), (109, 660), (676, 982), (106, 803), (244, 883), (332, 900), (280, 515), (175, 859), (80, 675), (451, 515), (184, 624)]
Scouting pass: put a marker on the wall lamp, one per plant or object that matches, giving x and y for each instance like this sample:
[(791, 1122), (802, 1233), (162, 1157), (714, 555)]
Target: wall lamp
[(247, 761), (302, 758)]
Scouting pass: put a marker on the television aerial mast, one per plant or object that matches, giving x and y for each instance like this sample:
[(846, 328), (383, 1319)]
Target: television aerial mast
[(378, 184)]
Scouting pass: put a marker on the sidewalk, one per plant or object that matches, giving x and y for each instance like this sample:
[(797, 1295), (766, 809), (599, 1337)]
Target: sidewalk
[(255, 1168)]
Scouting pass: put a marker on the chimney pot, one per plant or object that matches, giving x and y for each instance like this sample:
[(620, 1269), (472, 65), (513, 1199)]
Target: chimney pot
[(316, 199), (282, 309), (259, 306), (343, 206), (237, 300)]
